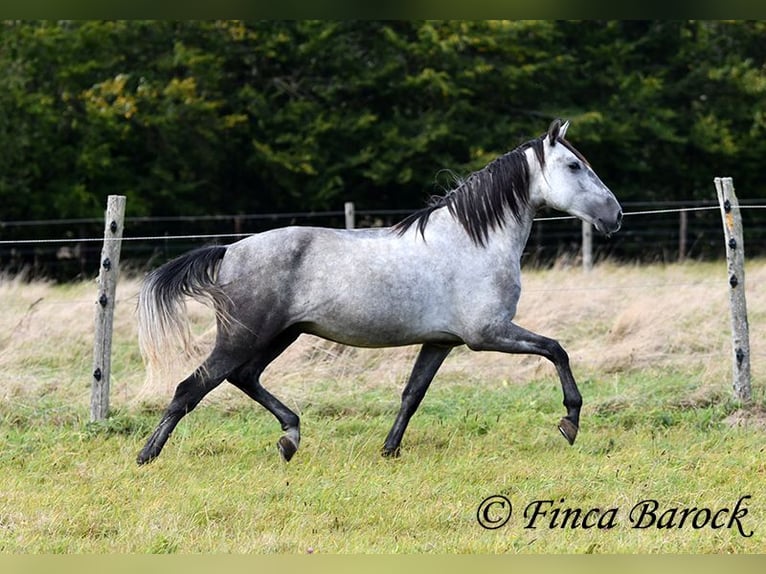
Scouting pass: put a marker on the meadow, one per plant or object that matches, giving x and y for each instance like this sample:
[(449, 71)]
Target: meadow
[(660, 434)]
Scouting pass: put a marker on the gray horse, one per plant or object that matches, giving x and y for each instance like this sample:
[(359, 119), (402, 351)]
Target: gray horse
[(445, 276)]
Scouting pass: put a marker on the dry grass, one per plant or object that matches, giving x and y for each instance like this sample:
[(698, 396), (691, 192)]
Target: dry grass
[(616, 319)]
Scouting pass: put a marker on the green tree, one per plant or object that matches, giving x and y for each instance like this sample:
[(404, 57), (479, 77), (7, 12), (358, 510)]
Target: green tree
[(225, 116)]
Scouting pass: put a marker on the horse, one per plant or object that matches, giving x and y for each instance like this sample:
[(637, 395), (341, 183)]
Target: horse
[(445, 276)]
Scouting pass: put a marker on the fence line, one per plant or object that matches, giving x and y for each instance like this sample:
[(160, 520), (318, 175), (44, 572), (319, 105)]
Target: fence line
[(142, 238), (102, 344), (275, 216), (308, 214)]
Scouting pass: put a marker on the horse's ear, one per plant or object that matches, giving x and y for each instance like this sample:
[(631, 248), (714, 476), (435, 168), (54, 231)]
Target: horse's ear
[(554, 131), (563, 129)]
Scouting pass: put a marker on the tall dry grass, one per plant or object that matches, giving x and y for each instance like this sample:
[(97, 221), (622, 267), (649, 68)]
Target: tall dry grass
[(615, 319)]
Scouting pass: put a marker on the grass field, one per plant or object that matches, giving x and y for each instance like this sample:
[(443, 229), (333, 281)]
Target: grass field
[(648, 344)]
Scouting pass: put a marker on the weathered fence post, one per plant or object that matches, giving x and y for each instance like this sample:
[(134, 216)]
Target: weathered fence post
[(587, 246), (683, 230), (107, 286), (735, 259), (348, 208)]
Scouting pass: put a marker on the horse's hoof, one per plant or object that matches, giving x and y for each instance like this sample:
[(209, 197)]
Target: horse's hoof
[(568, 429), (144, 458), (391, 452), (286, 448)]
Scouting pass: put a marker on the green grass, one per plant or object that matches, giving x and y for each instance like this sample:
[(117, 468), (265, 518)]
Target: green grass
[(653, 366), (220, 486)]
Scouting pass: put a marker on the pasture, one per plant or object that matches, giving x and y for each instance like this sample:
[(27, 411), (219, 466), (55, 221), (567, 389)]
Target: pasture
[(649, 346)]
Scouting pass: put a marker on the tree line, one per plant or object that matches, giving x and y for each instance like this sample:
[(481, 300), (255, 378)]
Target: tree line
[(209, 117)]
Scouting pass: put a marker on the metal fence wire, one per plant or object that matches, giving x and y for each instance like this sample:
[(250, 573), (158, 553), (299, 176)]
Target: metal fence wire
[(66, 249)]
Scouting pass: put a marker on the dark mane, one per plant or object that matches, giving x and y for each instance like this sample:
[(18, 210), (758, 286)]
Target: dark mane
[(481, 201)]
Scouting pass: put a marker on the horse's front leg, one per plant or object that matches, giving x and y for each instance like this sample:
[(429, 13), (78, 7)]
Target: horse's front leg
[(510, 338)]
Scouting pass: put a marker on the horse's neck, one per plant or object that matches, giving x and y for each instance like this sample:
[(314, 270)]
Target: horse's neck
[(512, 237), (503, 243)]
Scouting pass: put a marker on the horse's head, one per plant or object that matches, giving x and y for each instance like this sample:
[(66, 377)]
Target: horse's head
[(570, 184)]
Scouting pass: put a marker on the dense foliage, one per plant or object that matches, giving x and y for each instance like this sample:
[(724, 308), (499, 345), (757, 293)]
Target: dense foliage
[(231, 117)]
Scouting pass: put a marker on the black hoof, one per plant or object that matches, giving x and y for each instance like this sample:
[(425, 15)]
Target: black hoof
[(391, 452), (286, 448), (568, 429), (144, 457)]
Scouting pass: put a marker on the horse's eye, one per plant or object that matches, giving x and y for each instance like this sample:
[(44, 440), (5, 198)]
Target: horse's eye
[(574, 166)]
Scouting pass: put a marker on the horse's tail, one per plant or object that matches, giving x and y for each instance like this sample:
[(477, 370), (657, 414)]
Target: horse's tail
[(162, 318)]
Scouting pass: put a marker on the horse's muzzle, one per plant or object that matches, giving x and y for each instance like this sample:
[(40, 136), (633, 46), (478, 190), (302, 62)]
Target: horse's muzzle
[(607, 227)]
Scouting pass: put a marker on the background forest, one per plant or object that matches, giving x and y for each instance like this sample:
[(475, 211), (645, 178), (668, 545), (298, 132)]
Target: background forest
[(226, 117)]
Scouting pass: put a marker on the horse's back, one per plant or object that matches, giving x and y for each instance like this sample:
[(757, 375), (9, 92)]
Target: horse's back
[(360, 287)]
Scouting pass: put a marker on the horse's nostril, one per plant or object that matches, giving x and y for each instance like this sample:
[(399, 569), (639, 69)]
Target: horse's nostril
[(619, 216)]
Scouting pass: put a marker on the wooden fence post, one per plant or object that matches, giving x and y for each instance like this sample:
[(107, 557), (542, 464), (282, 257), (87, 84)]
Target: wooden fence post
[(735, 259), (107, 286), (348, 208), (587, 246), (683, 230)]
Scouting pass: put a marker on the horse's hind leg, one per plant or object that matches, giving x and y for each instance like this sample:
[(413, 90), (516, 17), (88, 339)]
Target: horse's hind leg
[(247, 379), (289, 421), (428, 362), (188, 394)]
